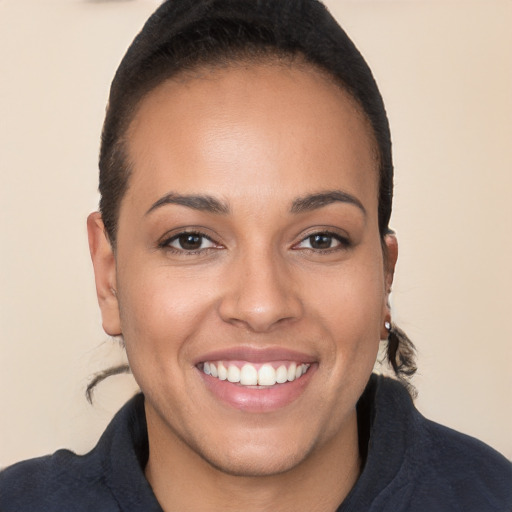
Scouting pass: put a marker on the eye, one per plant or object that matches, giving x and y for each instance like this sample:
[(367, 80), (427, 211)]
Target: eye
[(323, 242), (189, 242)]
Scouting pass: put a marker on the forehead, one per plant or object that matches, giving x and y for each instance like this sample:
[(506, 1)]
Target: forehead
[(283, 128)]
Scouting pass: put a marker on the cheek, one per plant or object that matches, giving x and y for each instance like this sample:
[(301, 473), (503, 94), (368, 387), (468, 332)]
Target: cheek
[(159, 312), (349, 306)]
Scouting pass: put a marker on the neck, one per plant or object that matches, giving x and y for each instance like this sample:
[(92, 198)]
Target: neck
[(182, 480)]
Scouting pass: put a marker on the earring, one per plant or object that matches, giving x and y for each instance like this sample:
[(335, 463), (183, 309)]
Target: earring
[(387, 326)]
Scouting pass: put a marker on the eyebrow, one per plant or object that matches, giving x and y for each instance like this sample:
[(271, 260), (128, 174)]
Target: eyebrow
[(321, 199), (210, 204), (202, 203)]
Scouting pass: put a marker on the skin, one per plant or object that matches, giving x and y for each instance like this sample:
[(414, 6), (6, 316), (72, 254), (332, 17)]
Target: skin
[(256, 138)]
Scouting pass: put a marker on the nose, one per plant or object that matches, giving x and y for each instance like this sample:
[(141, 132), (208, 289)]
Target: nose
[(260, 293)]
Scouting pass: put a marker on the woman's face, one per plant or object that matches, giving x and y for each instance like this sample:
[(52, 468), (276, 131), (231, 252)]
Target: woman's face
[(248, 248)]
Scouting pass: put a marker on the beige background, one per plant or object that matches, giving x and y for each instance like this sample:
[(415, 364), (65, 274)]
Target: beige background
[(445, 69)]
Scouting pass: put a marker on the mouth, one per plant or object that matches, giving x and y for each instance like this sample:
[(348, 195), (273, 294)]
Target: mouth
[(256, 381), (261, 375)]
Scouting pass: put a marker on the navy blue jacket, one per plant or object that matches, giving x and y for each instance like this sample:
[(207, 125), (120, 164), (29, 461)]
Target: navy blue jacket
[(412, 465)]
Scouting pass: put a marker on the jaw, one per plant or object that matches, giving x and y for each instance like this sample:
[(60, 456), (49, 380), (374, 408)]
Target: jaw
[(252, 446), (241, 475), (234, 428)]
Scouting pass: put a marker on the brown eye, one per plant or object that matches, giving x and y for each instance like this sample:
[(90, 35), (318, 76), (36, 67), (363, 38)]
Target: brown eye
[(320, 241), (189, 242), (323, 241)]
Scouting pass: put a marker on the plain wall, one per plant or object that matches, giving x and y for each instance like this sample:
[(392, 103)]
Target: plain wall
[(445, 70)]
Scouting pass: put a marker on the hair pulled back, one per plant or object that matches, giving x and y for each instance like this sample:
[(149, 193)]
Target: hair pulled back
[(183, 35), (187, 35)]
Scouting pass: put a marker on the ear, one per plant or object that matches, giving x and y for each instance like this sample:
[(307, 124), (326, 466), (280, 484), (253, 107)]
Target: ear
[(390, 258), (104, 263)]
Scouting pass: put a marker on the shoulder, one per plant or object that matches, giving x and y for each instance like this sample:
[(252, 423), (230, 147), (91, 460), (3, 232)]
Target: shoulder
[(427, 466), (461, 468), (62, 481), (109, 478)]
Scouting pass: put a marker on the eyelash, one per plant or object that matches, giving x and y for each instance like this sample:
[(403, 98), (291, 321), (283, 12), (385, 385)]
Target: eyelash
[(343, 243), (166, 243)]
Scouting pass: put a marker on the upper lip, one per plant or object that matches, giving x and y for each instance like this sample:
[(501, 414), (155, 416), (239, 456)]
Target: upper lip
[(256, 355)]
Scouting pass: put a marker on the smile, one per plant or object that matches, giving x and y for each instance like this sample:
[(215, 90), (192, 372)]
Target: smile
[(261, 375)]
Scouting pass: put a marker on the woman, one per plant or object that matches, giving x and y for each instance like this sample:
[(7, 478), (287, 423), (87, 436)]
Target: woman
[(243, 253)]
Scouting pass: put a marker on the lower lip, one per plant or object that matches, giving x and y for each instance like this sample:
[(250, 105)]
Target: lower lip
[(252, 399)]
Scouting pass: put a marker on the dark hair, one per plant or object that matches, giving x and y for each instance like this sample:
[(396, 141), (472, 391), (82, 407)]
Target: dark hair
[(185, 35)]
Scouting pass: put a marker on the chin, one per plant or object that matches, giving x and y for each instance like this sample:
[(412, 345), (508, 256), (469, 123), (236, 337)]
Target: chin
[(255, 464)]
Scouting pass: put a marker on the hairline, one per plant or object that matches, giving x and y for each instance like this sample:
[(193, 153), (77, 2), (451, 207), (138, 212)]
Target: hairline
[(267, 56)]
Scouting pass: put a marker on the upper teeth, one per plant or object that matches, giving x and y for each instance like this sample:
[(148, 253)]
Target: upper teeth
[(249, 375)]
